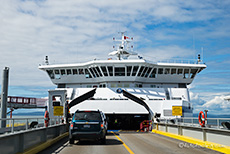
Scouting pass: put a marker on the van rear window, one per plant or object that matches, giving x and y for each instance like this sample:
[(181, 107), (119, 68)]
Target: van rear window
[(88, 116)]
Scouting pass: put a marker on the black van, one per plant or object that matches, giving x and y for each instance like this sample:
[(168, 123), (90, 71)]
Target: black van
[(88, 125)]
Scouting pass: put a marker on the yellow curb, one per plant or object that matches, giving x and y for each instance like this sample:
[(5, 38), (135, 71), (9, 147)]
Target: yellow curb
[(205, 144), (44, 145)]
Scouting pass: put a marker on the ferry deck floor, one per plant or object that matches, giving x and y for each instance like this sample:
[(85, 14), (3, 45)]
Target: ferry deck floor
[(128, 142)]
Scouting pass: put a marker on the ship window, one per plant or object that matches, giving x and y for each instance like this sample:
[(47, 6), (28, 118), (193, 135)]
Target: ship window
[(193, 73), (180, 71), (99, 71), (113, 85), (138, 85), (153, 86), (147, 73), (89, 86), (104, 70), (95, 71), (173, 71), (91, 70), (50, 73), (87, 74), (57, 72), (119, 71), (110, 69), (143, 72), (186, 73), (167, 71), (129, 68), (68, 71), (74, 71), (63, 72), (140, 71), (153, 74), (126, 85), (135, 68), (160, 70), (80, 71), (102, 86), (119, 85)]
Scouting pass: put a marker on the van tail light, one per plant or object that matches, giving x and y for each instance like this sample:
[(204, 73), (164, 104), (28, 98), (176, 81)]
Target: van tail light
[(102, 125)]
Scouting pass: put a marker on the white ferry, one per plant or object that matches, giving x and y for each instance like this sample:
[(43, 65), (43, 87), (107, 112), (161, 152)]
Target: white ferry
[(160, 85)]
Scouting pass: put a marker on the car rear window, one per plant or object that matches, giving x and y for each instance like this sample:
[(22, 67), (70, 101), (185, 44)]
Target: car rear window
[(88, 116)]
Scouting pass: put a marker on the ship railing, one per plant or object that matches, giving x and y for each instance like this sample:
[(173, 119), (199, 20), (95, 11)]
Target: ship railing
[(176, 61), (18, 124), (215, 123)]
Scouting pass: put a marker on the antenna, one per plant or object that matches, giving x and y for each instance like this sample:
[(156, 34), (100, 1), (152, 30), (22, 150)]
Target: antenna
[(202, 53)]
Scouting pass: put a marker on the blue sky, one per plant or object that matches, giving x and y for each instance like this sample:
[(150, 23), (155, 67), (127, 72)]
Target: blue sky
[(78, 31)]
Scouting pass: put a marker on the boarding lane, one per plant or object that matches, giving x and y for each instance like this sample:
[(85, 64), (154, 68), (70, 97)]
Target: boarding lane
[(125, 143)]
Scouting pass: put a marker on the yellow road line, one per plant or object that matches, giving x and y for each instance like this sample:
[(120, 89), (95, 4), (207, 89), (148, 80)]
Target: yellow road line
[(127, 148), (205, 144)]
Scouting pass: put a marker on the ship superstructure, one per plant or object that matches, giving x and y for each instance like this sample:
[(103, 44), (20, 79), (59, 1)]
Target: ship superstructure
[(160, 84)]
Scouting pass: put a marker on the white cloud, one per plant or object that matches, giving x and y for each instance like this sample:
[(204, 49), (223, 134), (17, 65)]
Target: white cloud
[(218, 105), (76, 31)]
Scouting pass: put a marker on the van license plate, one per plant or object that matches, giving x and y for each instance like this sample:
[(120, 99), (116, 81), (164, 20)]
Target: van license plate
[(86, 126)]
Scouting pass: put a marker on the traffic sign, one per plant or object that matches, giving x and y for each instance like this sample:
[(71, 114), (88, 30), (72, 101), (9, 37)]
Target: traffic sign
[(177, 110)]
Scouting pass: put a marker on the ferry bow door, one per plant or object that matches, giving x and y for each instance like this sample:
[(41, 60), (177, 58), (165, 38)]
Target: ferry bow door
[(57, 102)]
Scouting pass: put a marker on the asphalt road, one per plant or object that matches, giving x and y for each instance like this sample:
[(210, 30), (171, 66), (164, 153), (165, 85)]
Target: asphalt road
[(128, 143)]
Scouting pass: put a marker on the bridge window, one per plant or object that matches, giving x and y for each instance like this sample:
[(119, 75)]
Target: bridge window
[(50, 73), (68, 71), (87, 74), (180, 71), (81, 71), (57, 74), (140, 71), (119, 71), (95, 71), (103, 68), (135, 68), (99, 71), (110, 69), (91, 70), (167, 70), (160, 70), (75, 71), (63, 72), (153, 73), (186, 73), (129, 68), (148, 71), (193, 73), (144, 71), (173, 71)]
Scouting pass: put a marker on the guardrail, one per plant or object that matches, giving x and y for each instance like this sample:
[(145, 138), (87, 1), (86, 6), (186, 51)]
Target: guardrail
[(210, 122), (18, 124), (25, 140)]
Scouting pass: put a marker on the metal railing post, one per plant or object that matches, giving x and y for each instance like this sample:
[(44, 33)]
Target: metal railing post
[(218, 123), (12, 128), (26, 124)]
